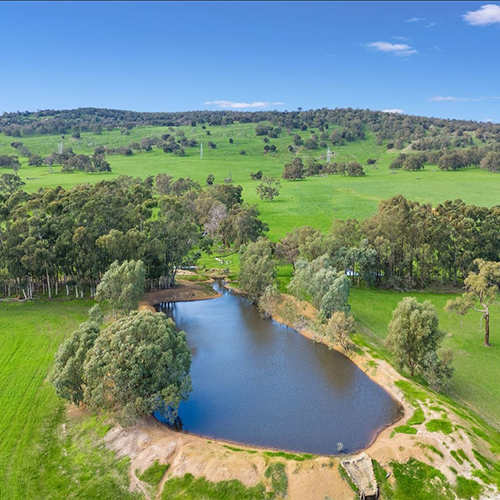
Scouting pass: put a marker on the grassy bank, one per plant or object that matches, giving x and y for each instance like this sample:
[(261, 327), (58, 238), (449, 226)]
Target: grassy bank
[(476, 367)]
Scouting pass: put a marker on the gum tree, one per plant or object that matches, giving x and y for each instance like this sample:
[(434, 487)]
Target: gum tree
[(481, 290)]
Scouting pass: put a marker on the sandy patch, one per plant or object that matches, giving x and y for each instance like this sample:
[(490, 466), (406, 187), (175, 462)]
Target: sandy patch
[(184, 291)]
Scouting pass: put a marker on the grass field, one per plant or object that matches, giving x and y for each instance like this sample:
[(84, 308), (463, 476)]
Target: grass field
[(313, 201), (475, 381), (38, 458)]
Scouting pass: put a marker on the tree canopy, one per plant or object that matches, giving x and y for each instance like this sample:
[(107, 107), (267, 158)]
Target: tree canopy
[(138, 365), (414, 339)]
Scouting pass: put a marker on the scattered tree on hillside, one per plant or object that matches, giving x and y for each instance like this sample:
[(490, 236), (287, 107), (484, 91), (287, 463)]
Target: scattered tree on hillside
[(491, 162), (122, 285), (35, 161), (294, 170), (138, 365), (256, 176), (415, 338), (481, 287), (355, 169), (268, 189), (257, 269), (210, 179), (8, 161)]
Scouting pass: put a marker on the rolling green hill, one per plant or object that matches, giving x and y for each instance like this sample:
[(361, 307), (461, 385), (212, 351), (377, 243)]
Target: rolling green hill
[(312, 201)]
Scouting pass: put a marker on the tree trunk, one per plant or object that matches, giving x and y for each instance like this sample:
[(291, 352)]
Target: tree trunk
[(487, 329), (48, 283)]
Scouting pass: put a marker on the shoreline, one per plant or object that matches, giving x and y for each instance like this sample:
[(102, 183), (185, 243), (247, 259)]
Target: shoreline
[(385, 379), (311, 476), (184, 291), (355, 358)]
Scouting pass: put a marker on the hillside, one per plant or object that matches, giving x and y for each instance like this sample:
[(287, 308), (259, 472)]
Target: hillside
[(313, 200)]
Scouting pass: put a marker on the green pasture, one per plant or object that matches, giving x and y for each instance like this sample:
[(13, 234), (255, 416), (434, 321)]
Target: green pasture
[(312, 201), (42, 453), (477, 368)]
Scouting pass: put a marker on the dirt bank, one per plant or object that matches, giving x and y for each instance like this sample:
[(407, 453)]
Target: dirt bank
[(311, 479), (184, 291)]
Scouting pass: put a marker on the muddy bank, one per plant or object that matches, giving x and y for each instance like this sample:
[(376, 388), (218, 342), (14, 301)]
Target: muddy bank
[(184, 291)]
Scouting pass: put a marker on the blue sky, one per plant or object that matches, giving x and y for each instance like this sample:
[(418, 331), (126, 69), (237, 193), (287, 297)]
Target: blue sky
[(430, 58)]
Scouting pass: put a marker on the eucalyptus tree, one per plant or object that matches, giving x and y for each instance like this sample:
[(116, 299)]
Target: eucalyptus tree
[(122, 285), (481, 290), (138, 365), (327, 288), (257, 268), (415, 339), (268, 189), (67, 375)]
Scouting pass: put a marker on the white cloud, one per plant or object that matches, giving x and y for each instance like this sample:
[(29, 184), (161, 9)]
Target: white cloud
[(398, 49), (398, 111), (415, 19), (402, 38), (441, 98), (243, 105), (430, 25), (489, 120), (484, 16)]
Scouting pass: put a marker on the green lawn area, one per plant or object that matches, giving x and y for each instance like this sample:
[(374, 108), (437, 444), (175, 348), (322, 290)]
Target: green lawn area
[(38, 458), (477, 368), (312, 201)]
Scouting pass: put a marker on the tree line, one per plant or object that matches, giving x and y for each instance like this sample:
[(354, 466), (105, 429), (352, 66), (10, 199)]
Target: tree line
[(58, 240), (349, 124), (487, 158)]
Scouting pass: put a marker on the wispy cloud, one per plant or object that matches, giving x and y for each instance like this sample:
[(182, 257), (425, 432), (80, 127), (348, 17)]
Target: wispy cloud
[(398, 111), (415, 19), (440, 98), (430, 25), (398, 49), (243, 105), (484, 16), (401, 38)]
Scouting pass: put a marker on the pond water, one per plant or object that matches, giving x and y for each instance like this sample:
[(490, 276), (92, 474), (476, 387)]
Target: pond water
[(258, 382)]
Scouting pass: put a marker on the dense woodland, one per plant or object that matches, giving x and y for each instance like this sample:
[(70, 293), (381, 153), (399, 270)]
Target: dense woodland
[(57, 239)]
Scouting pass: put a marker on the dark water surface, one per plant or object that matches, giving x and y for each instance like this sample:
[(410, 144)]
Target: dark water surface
[(257, 382)]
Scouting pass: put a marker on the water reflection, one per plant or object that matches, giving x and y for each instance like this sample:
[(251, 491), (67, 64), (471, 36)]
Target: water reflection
[(258, 382)]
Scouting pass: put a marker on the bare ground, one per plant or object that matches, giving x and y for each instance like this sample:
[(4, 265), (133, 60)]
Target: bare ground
[(149, 441), (184, 291)]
